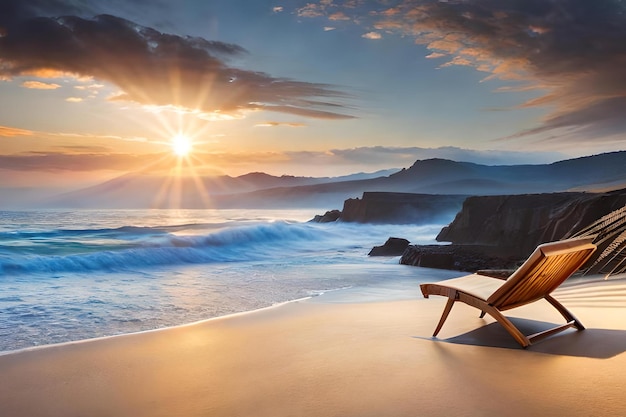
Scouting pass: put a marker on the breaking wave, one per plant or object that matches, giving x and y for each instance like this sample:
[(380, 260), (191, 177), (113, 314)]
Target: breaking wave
[(133, 248)]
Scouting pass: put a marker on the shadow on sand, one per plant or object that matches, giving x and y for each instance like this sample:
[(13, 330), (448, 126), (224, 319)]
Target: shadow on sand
[(590, 343)]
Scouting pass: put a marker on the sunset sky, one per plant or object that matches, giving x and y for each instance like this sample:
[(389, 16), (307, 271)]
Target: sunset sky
[(90, 90)]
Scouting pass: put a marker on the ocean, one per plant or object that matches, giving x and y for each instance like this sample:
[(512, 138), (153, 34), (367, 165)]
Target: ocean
[(73, 275)]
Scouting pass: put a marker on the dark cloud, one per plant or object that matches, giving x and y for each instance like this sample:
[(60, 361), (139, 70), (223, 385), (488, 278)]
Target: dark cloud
[(572, 51), (601, 118), (309, 112), (149, 67), (13, 11)]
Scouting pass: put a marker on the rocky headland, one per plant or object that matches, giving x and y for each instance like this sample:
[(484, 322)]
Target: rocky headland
[(487, 233), (396, 208), (499, 232)]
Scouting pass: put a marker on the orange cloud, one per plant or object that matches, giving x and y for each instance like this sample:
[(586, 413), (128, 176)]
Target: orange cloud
[(457, 60), (6, 131), (59, 161), (47, 73), (447, 46), (338, 16), (38, 85)]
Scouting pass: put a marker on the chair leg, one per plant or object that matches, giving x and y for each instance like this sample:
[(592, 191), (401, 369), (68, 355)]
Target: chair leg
[(569, 317), (482, 314), (444, 316), (508, 326)]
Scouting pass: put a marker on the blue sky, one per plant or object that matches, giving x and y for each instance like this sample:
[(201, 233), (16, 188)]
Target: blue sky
[(93, 89)]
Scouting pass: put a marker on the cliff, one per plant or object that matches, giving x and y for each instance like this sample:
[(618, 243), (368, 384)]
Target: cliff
[(518, 223), (401, 208)]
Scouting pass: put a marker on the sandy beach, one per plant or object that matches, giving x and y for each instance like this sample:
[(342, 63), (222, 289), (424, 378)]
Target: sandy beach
[(358, 352)]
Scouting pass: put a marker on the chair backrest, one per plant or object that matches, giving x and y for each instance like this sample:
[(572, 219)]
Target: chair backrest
[(546, 268)]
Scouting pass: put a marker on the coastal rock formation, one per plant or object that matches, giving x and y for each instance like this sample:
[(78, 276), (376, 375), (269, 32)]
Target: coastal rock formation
[(401, 208), (328, 217), (516, 224), (469, 258), (394, 246), (499, 232)]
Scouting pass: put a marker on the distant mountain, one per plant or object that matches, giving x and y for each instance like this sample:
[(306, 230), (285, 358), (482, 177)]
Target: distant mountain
[(261, 180), (440, 176), (363, 175), (140, 190), (430, 176), (586, 172)]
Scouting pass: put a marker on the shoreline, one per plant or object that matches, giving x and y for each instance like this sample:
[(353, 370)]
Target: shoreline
[(140, 332), (85, 330), (344, 295), (349, 295), (359, 290), (352, 354)]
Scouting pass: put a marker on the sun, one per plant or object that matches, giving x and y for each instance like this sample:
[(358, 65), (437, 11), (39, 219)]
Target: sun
[(181, 145)]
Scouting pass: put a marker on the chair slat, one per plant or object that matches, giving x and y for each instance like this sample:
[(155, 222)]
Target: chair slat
[(544, 271)]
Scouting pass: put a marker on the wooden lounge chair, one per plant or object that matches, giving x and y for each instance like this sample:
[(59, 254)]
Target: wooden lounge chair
[(546, 268)]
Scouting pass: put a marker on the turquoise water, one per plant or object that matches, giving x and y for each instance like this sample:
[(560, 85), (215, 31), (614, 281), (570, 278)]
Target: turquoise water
[(71, 275)]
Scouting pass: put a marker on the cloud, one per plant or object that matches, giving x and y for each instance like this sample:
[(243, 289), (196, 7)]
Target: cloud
[(372, 35), (311, 10), (573, 52), (86, 148), (74, 99), (600, 118), (435, 55), (38, 85), (338, 16), (361, 159), (78, 162), (406, 156), (325, 8), (10, 10), (149, 67), (92, 158), (277, 124), (94, 88), (308, 112), (9, 132), (277, 9)]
